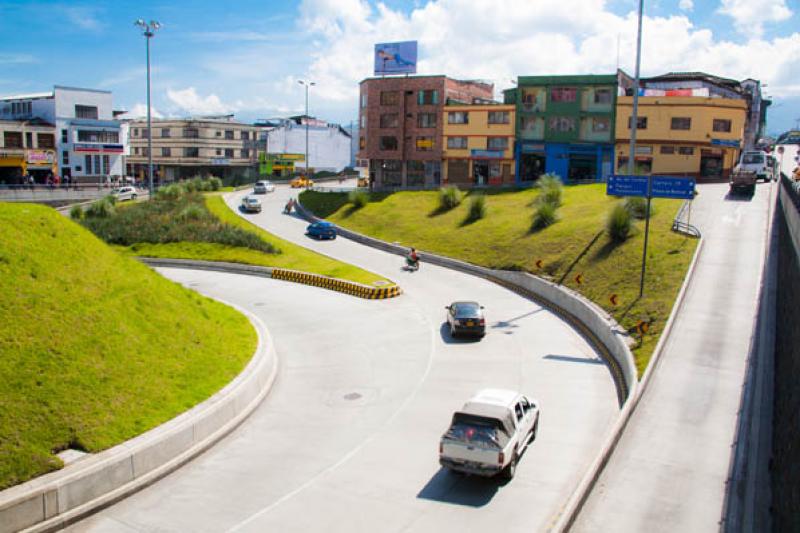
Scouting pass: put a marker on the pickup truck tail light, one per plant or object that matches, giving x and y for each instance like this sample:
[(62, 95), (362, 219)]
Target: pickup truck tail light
[(441, 447), (501, 458), (483, 322)]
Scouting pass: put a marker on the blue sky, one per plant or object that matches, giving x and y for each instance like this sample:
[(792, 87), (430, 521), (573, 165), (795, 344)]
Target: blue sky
[(246, 56)]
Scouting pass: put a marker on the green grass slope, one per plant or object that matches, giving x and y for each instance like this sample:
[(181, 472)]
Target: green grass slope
[(576, 244), (96, 348)]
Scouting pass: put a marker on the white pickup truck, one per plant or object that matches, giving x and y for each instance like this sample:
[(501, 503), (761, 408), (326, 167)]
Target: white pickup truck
[(488, 435)]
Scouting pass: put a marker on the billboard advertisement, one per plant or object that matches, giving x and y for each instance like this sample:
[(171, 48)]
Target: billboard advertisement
[(396, 58)]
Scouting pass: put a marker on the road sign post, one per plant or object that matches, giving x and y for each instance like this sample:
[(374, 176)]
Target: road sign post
[(646, 233)]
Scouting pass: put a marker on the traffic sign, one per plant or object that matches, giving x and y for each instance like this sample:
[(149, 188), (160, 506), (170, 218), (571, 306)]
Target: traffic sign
[(671, 187), (619, 185)]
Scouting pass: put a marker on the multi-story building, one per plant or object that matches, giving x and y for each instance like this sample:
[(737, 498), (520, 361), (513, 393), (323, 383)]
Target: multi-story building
[(478, 144), (565, 126), (681, 135), (328, 144), (400, 126), (27, 148), (184, 148), (87, 144)]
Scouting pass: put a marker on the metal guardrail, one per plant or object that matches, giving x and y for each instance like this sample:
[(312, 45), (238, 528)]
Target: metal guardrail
[(792, 189), (679, 226)]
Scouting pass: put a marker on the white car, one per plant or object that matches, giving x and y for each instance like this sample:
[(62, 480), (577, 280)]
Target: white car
[(489, 433), (263, 187), (125, 193), (251, 204)]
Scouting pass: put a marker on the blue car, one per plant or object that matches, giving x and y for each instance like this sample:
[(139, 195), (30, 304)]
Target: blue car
[(321, 230)]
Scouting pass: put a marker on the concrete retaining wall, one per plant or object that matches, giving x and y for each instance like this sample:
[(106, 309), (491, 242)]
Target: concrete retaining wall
[(57, 499)]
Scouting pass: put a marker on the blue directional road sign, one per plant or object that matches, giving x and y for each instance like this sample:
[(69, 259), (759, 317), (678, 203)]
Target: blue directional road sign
[(671, 187), (626, 186)]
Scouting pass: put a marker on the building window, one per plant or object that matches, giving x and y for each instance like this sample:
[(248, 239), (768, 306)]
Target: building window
[(602, 96), (165, 132), (86, 111), (686, 150), (458, 170), (641, 123), (457, 143), (667, 150), (245, 153), (45, 140), (191, 152), (388, 143), (498, 117), (191, 133), (561, 124), (136, 151), (229, 135), (219, 134), (28, 139), (229, 152), (389, 120), (415, 173), (497, 143), (392, 172), (12, 139), (364, 100), (681, 123), (88, 166), (98, 136), (65, 157), (362, 143), (363, 122), (426, 120), (563, 94), (219, 151), (21, 108), (64, 136), (721, 124), (600, 124), (425, 144), (458, 117), (166, 152), (390, 97), (428, 97), (145, 152), (106, 165), (245, 135)]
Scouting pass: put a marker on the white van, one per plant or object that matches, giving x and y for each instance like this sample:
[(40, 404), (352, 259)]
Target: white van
[(756, 161)]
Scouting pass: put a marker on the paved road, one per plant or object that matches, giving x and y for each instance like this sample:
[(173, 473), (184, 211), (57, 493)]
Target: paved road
[(669, 470), (347, 440)]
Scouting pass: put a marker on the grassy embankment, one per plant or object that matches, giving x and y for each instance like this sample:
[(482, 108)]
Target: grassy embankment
[(192, 225), (503, 239), (97, 348)]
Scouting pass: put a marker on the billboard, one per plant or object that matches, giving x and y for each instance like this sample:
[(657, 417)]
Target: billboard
[(396, 58)]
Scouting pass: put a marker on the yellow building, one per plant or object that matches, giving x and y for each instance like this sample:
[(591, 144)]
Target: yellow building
[(683, 136), (478, 144)]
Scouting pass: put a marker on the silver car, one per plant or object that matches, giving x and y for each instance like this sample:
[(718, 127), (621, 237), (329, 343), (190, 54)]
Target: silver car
[(125, 193), (263, 187), (251, 204)]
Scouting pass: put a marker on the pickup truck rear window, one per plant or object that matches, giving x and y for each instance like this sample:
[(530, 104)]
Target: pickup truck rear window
[(484, 436)]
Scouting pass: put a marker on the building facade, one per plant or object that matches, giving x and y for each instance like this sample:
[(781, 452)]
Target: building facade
[(682, 135), (401, 130), (478, 144), (565, 126), (184, 148), (27, 148), (88, 147), (329, 145)]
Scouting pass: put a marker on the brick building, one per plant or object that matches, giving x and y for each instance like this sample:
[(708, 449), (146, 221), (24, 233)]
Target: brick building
[(400, 119)]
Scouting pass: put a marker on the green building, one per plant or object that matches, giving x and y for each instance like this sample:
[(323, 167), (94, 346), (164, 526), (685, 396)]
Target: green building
[(565, 126)]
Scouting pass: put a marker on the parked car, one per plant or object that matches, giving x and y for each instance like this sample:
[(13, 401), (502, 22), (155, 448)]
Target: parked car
[(466, 317), (251, 204), (756, 161), (301, 181), (263, 187), (124, 193), (489, 433), (321, 230)]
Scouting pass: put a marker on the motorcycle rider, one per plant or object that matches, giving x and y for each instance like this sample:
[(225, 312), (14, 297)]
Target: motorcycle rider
[(413, 259)]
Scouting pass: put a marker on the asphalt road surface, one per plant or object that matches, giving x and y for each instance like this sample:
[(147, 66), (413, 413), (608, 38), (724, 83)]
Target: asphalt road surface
[(347, 440), (669, 470)]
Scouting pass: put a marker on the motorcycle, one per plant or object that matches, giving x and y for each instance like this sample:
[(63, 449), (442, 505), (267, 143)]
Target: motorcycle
[(412, 265)]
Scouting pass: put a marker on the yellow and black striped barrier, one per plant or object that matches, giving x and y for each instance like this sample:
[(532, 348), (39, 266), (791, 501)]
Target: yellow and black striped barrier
[(348, 287)]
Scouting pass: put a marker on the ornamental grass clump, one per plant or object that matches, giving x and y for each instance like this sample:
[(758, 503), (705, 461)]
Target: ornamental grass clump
[(477, 208), (449, 197), (102, 208), (358, 199), (637, 207), (76, 212), (545, 215), (551, 189), (619, 223)]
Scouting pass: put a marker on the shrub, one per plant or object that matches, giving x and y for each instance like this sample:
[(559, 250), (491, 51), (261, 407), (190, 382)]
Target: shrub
[(170, 192), (214, 183), (477, 207), (101, 208), (358, 198), (545, 215), (191, 212), (619, 224), (637, 207), (449, 197), (110, 198), (76, 212), (551, 189)]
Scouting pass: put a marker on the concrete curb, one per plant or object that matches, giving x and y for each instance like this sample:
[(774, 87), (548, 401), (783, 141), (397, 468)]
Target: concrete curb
[(317, 280), (57, 499)]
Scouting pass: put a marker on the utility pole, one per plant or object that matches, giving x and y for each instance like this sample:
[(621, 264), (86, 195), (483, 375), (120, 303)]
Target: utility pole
[(306, 83), (148, 31)]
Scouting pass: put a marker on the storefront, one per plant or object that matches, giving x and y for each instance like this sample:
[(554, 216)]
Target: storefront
[(572, 162), (41, 164), (12, 168)]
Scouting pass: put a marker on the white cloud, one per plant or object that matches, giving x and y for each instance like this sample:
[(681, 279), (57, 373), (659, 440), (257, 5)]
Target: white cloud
[(749, 16), (686, 5), (140, 111), (188, 101), (16, 59), (83, 17)]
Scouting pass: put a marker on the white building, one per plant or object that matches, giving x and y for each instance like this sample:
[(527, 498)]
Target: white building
[(328, 144), (88, 143)]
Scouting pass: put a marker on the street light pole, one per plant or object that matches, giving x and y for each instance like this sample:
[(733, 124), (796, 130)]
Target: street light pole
[(306, 83), (148, 31)]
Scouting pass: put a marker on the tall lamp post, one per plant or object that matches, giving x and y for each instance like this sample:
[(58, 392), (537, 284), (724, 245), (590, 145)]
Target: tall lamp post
[(148, 30), (306, 84)]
